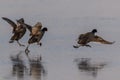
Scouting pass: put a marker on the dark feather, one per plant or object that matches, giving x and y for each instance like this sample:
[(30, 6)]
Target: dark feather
[(33, 39), (29, 27), (11, 23)]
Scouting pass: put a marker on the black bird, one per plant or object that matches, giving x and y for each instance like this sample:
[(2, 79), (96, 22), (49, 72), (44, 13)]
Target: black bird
[(36, 33), (19, 30), (84, 39)]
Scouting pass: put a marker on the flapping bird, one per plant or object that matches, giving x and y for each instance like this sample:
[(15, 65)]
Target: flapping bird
[(19, 29), (84, 39), (36, 33)]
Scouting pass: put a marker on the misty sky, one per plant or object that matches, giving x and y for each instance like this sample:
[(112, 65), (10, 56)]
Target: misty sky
[(63, 8), (65, 20)]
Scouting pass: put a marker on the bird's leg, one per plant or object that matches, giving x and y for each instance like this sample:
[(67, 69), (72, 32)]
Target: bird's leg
[(11, 41), (76, 46), (27, 50), (39, 43), (20, 43), (87, 45)]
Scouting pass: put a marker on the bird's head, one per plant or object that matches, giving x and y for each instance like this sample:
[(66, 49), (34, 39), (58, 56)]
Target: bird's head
[(94, 30), (44, 29)]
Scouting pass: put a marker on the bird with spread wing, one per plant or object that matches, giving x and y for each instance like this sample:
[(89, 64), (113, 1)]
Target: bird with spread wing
[(19, 29), (36, 33), (84, 39)]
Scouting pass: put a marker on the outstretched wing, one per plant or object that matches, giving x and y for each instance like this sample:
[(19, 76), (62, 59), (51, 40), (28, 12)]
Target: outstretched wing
[(101, 40), (38, 25), (28, 27), (11, 23), (36, 28)]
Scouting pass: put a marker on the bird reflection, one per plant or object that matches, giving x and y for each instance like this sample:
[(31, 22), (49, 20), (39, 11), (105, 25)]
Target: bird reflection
[(85, 65), (20, 70), (36, 68), (18, 66)]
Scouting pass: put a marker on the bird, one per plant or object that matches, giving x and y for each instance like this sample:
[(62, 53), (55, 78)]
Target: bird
[(88, 37), (36, 33), (19, 29)]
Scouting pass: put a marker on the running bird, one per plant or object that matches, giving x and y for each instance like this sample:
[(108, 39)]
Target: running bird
[(36, 33), (84, 39), (19, 30)]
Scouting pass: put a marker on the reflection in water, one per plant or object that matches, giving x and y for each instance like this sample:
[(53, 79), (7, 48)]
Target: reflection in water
[(18, 66), (85, 65), (36, 68)]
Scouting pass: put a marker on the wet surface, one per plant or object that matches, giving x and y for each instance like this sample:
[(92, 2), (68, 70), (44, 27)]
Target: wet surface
[(18, 67), (56, 59), (34, 69), (58, 66), (85, 65)]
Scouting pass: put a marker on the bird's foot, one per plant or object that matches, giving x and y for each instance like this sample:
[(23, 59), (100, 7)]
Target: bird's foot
[(39, 44), (22, 45), (76, 46), (27, 51), (88, 46), (11, 41)]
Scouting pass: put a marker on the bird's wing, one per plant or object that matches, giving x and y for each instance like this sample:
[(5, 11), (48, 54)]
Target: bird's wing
[(101, 40), (38, 25), (11, 23), (81, 36), (36, 28), (29, 27)]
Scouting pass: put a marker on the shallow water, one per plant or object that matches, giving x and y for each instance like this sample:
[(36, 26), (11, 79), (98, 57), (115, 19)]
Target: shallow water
[(58, 65), (59, 56)]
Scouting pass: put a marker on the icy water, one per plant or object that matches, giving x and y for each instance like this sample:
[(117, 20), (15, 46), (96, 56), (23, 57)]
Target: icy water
[(60, 61)]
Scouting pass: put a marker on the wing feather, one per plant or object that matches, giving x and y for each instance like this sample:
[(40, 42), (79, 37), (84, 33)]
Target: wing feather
[(36, 28), (101, 40), (10, 22), (29, 27), (38, 25)]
